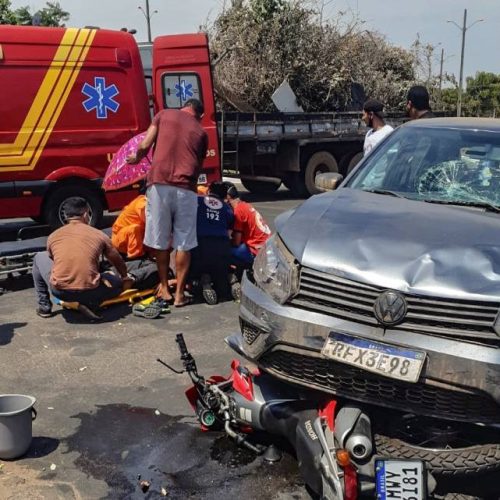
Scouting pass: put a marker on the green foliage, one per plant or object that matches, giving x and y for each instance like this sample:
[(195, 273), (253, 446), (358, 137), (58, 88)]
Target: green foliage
[(51, 15), (482, 97), (6, 14), (265, 10)]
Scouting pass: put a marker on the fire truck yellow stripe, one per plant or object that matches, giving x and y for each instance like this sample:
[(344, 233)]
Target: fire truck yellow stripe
[(51, 97), (70, 75)]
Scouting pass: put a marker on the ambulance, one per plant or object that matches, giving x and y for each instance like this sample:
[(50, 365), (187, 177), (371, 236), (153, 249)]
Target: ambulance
[(70, 97)]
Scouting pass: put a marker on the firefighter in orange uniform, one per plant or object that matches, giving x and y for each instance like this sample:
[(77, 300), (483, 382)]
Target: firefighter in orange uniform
[(128, 230)]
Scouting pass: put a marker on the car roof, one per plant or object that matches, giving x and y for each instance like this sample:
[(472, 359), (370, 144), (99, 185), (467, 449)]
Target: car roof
[(486, 124)]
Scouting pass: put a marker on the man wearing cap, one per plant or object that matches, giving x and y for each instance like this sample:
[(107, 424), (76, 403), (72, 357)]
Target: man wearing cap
[(373, 117)]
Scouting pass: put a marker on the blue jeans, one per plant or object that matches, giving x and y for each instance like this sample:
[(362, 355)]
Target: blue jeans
[(242, 255)]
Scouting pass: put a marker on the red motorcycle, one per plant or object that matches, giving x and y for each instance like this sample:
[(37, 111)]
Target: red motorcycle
[(333, 439)]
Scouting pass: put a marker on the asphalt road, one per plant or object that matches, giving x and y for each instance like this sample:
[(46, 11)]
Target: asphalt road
[(109, 413), (110, 416)]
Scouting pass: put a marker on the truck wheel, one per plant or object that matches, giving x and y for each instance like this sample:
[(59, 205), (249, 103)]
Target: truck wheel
[(354, 161), (446, 461), (260, 187), (319, 163), (54, 210)]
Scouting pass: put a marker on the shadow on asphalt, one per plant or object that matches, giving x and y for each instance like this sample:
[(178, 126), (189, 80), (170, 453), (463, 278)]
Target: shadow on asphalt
[(17, 282), (124, 445), (41, 446), (7, 331)]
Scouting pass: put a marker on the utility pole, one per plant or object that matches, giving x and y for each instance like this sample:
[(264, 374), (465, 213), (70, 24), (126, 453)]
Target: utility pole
[(148, 17), (441, 73), (463, 29)]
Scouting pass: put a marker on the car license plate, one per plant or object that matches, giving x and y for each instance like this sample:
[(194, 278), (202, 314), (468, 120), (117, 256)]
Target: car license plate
[(388, 360), (400, 479), (202, 179)]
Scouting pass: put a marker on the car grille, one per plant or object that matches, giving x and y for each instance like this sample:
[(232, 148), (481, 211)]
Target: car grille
[(342, 298), (344, 380), (249, 332)]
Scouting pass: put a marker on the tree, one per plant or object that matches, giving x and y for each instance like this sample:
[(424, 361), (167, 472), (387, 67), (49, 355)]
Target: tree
[(259, 43), (7, 16), (482, 96), (51, 15)]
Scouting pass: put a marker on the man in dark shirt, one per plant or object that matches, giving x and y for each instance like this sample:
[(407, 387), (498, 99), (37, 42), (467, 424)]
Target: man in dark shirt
[(417, 105), (180, 147), (212, 257), (70, 266)]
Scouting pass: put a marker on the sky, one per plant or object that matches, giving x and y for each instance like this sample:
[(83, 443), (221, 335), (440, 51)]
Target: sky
[(398, 20)]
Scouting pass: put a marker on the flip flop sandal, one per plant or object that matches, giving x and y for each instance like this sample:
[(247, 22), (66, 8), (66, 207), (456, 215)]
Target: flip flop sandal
[(184, 303), (151, 311)]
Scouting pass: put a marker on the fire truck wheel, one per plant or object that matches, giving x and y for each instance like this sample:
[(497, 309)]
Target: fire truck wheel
[(54, 211)]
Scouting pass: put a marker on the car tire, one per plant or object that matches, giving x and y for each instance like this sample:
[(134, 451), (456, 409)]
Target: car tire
[(318, 163), (443, 462), (54, 205), (260, 187)]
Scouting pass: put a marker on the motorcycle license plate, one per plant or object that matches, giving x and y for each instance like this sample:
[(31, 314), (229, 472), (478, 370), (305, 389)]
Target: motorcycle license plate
[(400, 479), (202, 179), (388, 360)]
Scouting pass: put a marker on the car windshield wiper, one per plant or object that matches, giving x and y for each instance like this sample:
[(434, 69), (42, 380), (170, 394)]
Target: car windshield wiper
[(384, 191), (479, 204)]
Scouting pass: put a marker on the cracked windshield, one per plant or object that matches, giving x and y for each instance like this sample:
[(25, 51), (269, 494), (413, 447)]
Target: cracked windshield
[(441, 166)]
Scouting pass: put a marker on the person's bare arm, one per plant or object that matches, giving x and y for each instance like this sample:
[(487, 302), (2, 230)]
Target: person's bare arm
[(236, 236), (144, 146)]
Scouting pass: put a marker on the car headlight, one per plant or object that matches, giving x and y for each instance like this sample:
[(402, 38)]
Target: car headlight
[(275, 270)]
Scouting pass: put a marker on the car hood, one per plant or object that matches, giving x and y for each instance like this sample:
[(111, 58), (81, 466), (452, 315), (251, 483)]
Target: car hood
[(411, 246)]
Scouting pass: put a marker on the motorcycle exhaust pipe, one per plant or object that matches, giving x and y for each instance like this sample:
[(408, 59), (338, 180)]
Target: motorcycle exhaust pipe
[(353, 432)]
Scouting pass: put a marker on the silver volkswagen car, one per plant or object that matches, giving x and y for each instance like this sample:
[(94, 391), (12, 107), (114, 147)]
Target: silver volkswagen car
[(387, 289)]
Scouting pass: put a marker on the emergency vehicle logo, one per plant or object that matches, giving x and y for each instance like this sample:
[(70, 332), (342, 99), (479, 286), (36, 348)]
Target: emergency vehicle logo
[(184, 90), (100, 97), (212, 203)]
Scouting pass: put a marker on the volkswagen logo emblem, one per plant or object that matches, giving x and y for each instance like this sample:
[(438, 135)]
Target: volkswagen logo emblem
[(390, 308)]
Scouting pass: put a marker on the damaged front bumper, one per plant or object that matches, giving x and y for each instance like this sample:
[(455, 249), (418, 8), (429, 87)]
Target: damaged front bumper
[(460, 380)]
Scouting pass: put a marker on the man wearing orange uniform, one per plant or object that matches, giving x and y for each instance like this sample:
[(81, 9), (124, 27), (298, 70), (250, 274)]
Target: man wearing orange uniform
[(128, 230)]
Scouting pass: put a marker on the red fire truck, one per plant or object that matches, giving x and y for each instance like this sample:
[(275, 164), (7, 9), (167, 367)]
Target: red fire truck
[(69, 98)]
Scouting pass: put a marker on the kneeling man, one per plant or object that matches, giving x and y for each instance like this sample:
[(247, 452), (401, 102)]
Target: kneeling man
[(69, 269)]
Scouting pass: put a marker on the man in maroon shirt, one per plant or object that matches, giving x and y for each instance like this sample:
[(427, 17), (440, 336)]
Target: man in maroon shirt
[(180, 147)]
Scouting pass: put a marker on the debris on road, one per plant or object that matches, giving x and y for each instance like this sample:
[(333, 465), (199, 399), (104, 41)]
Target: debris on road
[(83, 368), (145, 485), (163, 492), (53, 466)]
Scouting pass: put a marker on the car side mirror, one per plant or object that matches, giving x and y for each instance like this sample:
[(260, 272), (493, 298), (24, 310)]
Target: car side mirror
[(328, 181)]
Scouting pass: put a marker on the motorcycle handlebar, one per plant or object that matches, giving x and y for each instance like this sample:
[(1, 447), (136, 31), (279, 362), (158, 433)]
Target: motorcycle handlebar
[(179, 338)]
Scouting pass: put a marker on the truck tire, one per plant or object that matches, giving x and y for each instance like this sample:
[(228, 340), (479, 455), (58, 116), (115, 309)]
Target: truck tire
[(444, 462), (354, 161), (260, 187), (318, 163), (54, 205)]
